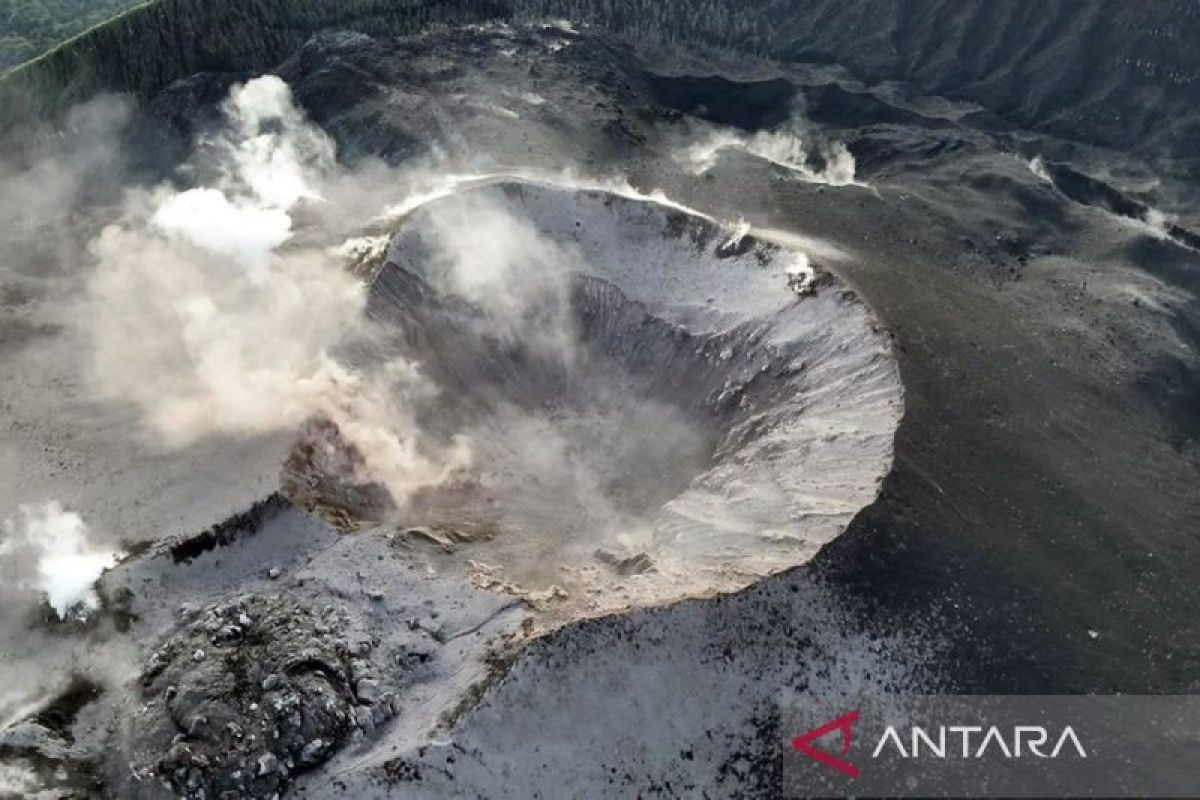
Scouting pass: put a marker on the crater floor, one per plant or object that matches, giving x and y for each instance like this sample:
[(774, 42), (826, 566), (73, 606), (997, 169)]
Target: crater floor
[(656, 407)]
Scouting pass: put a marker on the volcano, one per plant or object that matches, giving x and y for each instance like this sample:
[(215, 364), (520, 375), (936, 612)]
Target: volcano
[(529, 399)]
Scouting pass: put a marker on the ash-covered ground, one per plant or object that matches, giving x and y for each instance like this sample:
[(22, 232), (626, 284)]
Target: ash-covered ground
[(509, 411)]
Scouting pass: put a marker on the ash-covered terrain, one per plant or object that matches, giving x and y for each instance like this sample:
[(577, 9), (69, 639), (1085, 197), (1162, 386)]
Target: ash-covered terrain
[(523, 400)]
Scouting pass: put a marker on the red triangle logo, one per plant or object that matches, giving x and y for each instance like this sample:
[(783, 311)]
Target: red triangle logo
[(845, 723)]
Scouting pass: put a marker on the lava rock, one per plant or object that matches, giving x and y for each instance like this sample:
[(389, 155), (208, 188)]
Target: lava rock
[(367, 691), (253, 708)]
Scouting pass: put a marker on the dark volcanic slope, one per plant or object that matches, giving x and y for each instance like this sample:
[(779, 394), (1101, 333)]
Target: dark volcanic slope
[(1045, 472), (1039, 530), (1045, 475), (1113, 73)]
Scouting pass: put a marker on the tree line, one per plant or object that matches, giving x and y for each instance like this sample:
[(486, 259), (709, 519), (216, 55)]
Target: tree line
[(28, 28)]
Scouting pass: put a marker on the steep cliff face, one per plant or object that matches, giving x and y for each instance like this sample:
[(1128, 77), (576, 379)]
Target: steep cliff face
[(1111, 73)]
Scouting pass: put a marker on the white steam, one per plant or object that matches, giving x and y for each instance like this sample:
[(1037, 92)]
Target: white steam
[(793, 147), (800, 275), (1038, 168), (59, 560), (505, 268), (245, 232), (205, 315), (1158, 221), (18, 779), (1150, 221)]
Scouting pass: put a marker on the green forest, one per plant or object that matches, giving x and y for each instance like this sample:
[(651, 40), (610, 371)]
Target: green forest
[(29, 28)]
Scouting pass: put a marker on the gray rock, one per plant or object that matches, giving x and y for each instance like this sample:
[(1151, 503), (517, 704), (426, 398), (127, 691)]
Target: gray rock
[(227, 632), (364, 718), (387, 707), (624, 565), (313, 752), (268, 764), (367, 690)]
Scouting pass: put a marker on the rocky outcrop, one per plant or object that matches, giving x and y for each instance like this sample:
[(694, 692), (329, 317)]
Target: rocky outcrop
[(256, 689)]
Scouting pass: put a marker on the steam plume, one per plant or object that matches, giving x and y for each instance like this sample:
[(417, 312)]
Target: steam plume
[(48, 548), (794, 146), (205, 315)]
